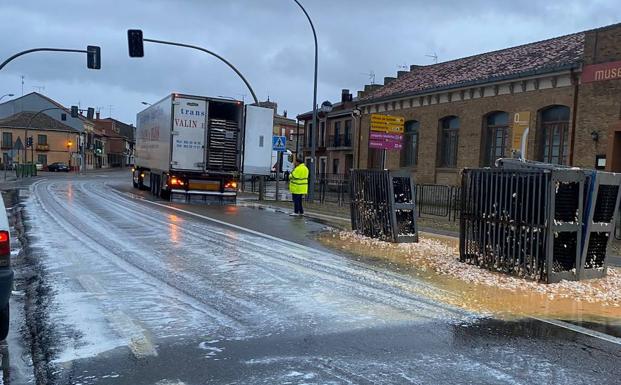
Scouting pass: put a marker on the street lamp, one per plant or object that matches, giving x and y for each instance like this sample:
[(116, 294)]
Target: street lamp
[(311, 184), (9, 95), (326, 107)]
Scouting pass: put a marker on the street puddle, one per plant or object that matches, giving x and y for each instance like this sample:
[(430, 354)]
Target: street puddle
[(435, 260)]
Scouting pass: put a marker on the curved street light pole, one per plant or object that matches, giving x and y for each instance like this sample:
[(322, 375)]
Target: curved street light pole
[(254, 96), (311, 182), (6, 95)]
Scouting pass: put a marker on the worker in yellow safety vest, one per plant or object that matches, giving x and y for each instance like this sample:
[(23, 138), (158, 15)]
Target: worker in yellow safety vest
[(298, 186)]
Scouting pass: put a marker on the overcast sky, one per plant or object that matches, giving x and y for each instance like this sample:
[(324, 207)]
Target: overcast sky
[(270, 41)]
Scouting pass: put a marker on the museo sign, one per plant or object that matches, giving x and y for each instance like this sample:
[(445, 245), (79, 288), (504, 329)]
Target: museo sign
[(600, 72)]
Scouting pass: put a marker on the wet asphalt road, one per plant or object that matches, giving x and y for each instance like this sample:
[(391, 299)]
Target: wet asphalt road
[(132, 292)]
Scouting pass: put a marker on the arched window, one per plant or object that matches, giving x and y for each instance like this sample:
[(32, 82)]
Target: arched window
[(409, 153), (495, 134), (554, 127), (449, 135)]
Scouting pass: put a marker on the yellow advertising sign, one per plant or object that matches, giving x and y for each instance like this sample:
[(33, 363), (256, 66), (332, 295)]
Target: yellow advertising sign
[(387, 123), (521, 121)]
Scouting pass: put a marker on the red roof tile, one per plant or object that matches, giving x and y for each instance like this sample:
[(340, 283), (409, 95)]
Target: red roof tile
[(540, 57)]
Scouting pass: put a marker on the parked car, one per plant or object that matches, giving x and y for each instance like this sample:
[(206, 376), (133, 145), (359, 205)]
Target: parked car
[(58, 166), (6, 273)]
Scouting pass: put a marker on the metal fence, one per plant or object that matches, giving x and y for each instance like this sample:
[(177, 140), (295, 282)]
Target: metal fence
[(432, 200), (618, 225), (435, 200), (333, 188)]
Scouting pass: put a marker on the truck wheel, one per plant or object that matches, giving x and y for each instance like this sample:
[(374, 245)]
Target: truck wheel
[(165, 194), (4, 322)]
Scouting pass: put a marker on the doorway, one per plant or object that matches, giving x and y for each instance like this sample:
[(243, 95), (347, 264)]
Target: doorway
[(615, 156)]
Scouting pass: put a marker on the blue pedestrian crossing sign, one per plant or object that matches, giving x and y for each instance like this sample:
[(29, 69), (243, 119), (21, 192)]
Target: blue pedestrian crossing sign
[(279, 143)]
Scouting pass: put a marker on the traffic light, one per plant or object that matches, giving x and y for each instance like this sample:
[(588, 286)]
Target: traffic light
[(75, 112), (29, 142), (93, 57), (90, 113), (135, 43)]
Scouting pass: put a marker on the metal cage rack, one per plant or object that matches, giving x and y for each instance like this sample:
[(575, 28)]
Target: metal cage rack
[(537, 220), (382, 205), (222, 144)]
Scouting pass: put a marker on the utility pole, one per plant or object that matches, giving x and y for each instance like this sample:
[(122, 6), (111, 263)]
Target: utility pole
[(315, 126)]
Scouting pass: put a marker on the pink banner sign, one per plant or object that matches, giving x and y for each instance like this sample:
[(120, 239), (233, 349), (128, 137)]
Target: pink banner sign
[(385, 136), (385, 144)]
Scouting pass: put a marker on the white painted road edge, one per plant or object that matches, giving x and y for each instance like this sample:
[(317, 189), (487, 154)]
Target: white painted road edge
[(582, 330), (561, 324)]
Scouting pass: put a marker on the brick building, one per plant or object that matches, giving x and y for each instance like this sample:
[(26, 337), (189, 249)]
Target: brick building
[(119, 141), (460, 113), (334, 149)]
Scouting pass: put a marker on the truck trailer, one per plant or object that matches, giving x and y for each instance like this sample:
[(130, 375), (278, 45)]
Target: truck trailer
[(190, 145)]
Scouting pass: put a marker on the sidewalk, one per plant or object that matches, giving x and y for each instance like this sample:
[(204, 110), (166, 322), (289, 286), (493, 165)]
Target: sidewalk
[(339, 216)]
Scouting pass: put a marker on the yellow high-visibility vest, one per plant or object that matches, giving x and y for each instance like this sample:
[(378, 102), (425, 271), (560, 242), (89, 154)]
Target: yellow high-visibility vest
[(298, 180)]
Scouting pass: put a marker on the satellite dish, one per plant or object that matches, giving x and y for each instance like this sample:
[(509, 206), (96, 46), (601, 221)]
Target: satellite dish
[(356, 113)]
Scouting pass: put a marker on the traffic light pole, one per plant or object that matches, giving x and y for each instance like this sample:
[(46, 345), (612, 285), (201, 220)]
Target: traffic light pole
[(254, 96), (4, 63)]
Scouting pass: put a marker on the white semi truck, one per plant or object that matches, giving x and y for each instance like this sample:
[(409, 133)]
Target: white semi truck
[(195, 145)]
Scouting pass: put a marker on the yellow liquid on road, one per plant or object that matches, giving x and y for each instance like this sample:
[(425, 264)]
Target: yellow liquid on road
[(435, 260)]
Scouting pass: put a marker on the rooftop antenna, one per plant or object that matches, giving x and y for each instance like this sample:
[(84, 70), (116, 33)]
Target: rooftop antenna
[(434, 56), (371, 76), (403, 67), (22, 76), (39, 88), (110, 109)]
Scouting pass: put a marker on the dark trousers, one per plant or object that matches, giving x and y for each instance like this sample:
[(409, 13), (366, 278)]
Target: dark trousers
[(297, 203)]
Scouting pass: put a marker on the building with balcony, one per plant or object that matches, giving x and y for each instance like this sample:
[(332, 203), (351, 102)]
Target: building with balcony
[(334, 137), (52, 141)]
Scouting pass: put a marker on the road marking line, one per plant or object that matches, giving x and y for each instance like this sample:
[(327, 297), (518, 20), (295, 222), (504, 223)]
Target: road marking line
[(137, 341), (139, 344), (581, 329), (91, 285)]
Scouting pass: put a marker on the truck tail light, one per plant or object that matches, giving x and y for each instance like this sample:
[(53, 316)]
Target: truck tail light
[(174, 181), (5, 248), (230, 185)]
